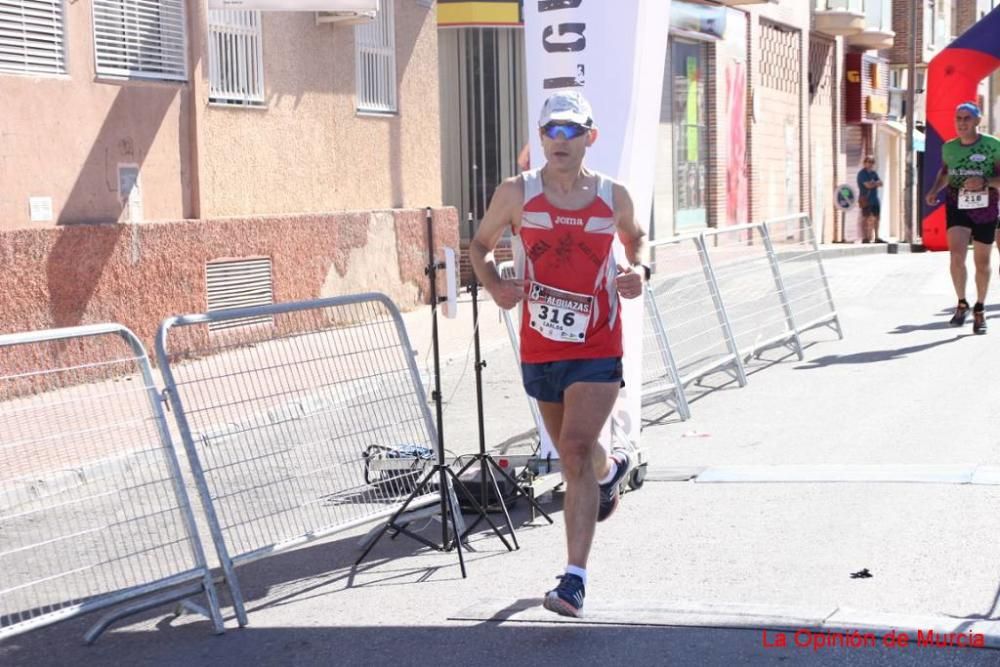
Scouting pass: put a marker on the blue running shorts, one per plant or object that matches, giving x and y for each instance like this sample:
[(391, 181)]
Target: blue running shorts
[(547, 381)]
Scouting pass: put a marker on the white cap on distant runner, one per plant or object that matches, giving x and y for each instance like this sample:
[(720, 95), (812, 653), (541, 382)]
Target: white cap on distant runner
[(566, 106)]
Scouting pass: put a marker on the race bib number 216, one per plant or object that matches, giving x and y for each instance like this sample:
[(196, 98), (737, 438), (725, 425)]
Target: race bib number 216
[(973, 199)]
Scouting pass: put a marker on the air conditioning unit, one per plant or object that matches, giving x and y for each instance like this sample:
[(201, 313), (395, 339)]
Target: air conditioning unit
[(348, 12), (322, 6), (345, 18)]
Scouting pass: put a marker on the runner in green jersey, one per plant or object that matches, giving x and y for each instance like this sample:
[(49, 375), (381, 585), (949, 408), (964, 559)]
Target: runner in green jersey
[(970, 171)]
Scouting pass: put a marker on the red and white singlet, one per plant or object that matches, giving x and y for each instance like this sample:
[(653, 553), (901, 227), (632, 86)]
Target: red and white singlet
[(571, 308)]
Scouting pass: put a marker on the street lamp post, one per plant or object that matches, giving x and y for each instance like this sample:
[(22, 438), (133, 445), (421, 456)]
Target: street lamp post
[(911, 75)]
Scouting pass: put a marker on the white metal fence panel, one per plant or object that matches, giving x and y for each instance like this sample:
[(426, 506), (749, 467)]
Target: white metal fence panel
[(32, 36), (660, 376), (682, 296), (798, 256), (511, 320), (750, 287), (301, 429), (235, 57), (140, 39), (93, 510)]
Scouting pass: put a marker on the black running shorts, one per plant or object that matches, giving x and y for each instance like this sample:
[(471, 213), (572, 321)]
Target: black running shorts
[(982, 232)]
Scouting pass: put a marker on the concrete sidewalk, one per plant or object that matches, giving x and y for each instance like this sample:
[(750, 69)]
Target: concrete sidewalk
[(903, 396)]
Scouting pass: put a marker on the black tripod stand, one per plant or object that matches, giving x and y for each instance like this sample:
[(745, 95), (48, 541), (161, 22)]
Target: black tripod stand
[(487, 464), (447, 479)]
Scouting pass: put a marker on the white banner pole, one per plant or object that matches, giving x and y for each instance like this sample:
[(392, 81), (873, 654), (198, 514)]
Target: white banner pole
[(614, 53)]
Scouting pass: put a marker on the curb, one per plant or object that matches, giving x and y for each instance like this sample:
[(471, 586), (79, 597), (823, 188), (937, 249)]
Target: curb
[(813, 628)]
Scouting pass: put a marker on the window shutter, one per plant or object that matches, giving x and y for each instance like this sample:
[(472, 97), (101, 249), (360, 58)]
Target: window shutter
[(31, 36), (140, 39), (375, 61), (235, 57)]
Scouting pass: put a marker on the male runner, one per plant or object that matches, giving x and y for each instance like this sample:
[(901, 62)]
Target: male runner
[(970, 168), (563, 218)]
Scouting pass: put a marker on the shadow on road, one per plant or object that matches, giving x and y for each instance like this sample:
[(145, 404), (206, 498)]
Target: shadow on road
[(873, 356)]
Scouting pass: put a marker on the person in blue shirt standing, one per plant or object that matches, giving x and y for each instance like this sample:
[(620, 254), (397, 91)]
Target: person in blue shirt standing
[(868, 185)]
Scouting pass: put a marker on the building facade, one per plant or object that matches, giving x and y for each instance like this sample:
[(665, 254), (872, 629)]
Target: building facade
[(143, 145), (216, 112)]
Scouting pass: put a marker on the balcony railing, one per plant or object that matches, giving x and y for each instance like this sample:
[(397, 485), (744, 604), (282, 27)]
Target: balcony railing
[(839, 17), (878, 32), (864, 23), (854, 6)]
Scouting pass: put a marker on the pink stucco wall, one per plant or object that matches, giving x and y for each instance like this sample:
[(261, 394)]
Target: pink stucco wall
[(63, 137), (307, 150), (137, 275)]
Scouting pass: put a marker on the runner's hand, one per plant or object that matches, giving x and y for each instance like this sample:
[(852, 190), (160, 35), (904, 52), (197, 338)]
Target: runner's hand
[(629, 283), (508, 293), (931, 198)]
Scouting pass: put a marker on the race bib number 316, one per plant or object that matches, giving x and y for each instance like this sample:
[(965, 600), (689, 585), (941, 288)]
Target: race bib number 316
[(559, 315)]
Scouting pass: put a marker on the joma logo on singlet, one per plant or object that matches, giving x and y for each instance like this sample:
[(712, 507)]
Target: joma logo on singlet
[(563, 220)]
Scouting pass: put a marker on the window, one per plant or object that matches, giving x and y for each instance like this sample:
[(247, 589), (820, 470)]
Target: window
[(688, 62), (375, 58), (879, 15), (896, 77), (31, 36), (854, 6), (140, 39), (235, 58), (937, 24)]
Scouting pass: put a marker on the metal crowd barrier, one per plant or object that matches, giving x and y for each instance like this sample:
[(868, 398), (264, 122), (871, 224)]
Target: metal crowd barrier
[(686, 332), (93, 510), (797, 255), (718, 298), (750, 283), (310, 423), (506, 271)]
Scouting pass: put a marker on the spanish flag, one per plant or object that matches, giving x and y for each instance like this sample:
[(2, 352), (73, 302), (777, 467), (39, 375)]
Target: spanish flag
[(459, 13)]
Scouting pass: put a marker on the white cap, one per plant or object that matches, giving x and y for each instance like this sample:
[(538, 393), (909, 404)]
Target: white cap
[(566, 106)]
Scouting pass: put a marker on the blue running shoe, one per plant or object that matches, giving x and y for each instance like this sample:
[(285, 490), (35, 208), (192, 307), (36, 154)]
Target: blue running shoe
[(610, 491), (566, 599)]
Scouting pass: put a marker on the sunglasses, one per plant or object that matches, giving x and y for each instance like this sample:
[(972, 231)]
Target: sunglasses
[(569, 131)]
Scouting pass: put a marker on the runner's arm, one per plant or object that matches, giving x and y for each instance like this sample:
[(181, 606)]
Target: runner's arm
[(939, 182), (629, 232), (498, 217)]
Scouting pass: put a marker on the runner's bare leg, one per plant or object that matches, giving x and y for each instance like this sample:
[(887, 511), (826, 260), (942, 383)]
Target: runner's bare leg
[(579, 420)]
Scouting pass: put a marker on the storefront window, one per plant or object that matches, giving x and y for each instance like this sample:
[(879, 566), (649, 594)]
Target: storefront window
[(690, 132)]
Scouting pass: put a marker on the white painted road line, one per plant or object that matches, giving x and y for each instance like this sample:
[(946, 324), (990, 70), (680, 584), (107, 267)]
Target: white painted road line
[(901, 473)]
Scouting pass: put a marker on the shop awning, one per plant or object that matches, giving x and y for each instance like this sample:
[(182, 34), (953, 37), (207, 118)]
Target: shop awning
[(459, 13), (898, 128)]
